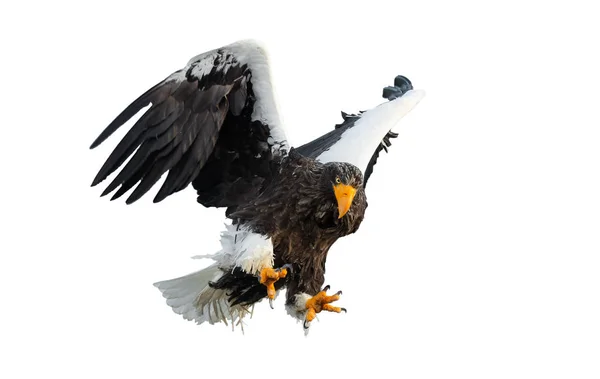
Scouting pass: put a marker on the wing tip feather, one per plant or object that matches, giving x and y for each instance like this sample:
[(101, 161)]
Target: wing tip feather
[(97, 180)]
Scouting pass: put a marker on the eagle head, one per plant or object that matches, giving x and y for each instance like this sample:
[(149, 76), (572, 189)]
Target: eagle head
[(342, 180)]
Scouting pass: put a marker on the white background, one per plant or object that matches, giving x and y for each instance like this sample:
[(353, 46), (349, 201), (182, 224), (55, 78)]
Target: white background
[(479, 255)]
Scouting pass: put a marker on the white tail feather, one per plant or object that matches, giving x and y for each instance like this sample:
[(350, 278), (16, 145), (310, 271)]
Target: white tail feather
[(191, 295), (193, 298)]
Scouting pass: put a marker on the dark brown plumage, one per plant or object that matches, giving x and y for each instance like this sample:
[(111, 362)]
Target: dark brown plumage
[(298, 211)]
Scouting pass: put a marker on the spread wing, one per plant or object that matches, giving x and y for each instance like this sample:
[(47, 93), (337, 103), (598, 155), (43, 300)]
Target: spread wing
[(360, 137), (213, 123)]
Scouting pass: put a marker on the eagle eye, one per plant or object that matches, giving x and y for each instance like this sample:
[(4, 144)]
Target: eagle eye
[(338, 180)]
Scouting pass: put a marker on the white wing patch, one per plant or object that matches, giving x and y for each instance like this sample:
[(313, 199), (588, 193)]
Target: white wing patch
[(357, 144), (205, 65), (266, 110), (253, 54)]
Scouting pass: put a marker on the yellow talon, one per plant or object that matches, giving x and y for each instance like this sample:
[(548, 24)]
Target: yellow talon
[(268, 277), (320, 302)]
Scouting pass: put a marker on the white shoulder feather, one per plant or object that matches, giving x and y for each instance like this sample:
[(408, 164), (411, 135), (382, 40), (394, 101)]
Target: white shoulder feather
[(357, 144)]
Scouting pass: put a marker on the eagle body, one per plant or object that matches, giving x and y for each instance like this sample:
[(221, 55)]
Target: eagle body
[(215, 124), (298, 212)]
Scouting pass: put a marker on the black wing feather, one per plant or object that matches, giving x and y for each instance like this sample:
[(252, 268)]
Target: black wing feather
[(194, 158), (178, 133), (155, 95), (145, 150)]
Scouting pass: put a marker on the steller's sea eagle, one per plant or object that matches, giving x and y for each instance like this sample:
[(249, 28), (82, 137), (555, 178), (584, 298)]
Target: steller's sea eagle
[(215, 124)]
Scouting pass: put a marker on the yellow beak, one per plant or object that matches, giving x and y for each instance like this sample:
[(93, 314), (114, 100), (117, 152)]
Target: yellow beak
[(344, 195)]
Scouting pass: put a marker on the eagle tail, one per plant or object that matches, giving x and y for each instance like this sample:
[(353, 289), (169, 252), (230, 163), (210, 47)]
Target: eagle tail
[(192, 297)]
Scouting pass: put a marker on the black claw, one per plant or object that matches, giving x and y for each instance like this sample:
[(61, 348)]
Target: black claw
[(345, 310), (326, 288), (306, 324), (338, 293)]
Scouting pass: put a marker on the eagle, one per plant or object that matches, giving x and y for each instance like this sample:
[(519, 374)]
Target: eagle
[(215, 124)]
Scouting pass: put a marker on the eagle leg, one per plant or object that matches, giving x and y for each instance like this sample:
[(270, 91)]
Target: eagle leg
[(321, 302), (268, 277)]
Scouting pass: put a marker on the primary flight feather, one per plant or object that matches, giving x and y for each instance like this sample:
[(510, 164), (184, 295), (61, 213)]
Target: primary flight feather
[(215, 124)]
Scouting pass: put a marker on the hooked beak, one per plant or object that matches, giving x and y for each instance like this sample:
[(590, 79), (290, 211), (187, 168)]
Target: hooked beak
[(344, 195)]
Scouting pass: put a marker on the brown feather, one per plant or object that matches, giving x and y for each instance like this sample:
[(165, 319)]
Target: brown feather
[(298, 211)]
